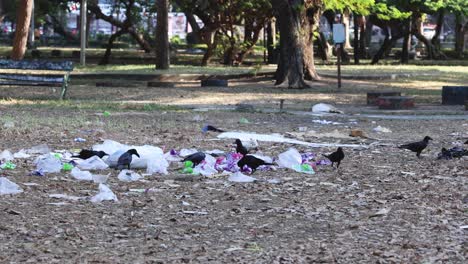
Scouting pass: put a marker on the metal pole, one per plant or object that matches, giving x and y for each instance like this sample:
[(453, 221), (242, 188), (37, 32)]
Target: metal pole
[(338, 54), (83, 12)]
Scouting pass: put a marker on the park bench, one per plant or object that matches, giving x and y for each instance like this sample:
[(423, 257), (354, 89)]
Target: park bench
[(36, 73)]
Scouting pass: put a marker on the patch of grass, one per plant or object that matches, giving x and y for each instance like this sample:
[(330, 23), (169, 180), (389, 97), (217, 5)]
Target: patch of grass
[(98, 106)]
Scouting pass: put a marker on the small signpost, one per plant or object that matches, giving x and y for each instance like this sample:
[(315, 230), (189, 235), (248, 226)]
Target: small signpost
[(339, 37)]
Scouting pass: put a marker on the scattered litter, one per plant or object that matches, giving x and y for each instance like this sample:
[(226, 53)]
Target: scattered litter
[(325, 108), (244, 136), (9, 187), (105, 194), (81, 175), (311, 133), (9, 124), (184, 203), (464, 227), (106, 113), (302, 129), (31, 184), (48, 164), (381, 212), (67, 167), (292, 159), (39, 149), (39, 172), (79, 139), (66, 197), (206, 167), (151, 158), (357, 133), (21, 155), (8, 166), (239, 177), (326, 122), (274, 181), (6, 155), (128, 176), (195, 212), (379, 129), (244, 121), (93, 163)]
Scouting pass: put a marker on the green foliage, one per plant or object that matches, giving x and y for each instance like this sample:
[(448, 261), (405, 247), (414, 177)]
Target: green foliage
[(360, 7)]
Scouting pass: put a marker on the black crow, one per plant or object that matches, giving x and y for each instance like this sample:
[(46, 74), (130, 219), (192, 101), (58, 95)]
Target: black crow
[(211, 128), (336, 156), (87, 153), (455, 152), (240, 148), (126, 158), (196, 158), (417, 147), (252, 162)]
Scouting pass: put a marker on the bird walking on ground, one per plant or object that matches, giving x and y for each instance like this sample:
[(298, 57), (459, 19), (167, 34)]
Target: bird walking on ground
[(336, 156), (211, 128), (87, 153), (417, 147), (252, 162), (241, 148), (126, 158), (196, 158)]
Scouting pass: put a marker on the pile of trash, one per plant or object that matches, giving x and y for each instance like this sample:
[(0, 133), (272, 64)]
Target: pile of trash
[(152, 160)]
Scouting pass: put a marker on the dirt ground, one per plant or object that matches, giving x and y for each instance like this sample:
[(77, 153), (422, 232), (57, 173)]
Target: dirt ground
[(383, 205)]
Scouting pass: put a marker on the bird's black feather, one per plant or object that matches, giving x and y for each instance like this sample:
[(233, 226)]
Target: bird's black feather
[(336, 156)]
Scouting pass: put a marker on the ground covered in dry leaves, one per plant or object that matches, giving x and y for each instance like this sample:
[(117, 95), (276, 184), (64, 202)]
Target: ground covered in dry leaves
[(382, 206)]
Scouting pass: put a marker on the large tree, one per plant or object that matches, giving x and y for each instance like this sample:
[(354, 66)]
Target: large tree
[(23, 19), (129, 25), (297, 21), (162, 38)]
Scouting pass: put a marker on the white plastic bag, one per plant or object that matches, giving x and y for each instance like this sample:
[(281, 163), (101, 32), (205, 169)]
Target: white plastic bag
[(48, 163), (128, 176), (105, 194), (81, 175), (207, 167), (290, 158), (9, 187), (6, 155), (93, 163), (325, 108), (39, 149), (239, 177), (21, 155)]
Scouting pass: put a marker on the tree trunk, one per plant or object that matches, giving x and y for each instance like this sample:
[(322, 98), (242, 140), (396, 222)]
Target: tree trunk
[(416, 31), (406, 42), (210, 38), (346, 22), (162, 38), (293, 24), (106, 58), (440, 21), (356, 39), (23, 19), (271, 42), (459, 35), (362, 36), (59, 29), (324, 47)]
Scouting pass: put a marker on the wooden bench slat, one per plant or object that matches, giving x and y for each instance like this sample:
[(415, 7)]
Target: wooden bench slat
[(37, 65), (53, 84), (32, 78)]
